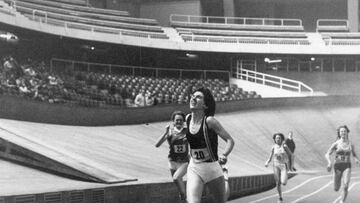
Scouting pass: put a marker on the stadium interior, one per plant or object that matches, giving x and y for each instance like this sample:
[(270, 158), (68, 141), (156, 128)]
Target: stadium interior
[(71, 71)]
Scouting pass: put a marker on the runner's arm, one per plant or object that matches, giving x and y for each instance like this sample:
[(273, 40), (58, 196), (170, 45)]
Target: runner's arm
[(329, 152), (162, 138), (217, 127), (270, 157)]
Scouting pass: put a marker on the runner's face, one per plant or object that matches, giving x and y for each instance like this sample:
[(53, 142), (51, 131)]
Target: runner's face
[(178, 121), (197, 101), (343, 133), (278, 139)]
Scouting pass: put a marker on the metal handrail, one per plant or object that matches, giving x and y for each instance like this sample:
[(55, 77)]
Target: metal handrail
[(265, 79), (135, 67), (242, 19)]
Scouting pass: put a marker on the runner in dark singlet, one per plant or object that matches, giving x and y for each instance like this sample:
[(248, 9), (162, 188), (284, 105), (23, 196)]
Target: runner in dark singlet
[(203, 132), (175, 134)]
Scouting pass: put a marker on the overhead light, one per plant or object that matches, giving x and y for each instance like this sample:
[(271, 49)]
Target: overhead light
[(267, 60), (312, 59), (191, 55)]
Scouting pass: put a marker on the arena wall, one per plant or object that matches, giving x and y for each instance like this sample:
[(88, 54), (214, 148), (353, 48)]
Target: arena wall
[(19, 108), (331, 83), (144, 193)]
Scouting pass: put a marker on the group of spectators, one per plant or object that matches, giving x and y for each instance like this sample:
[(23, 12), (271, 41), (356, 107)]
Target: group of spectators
[(33, 79), (30, 79)]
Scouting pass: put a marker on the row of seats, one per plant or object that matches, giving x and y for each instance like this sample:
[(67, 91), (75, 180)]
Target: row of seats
[(87, 21), (84, 8), (236, 23), (245, 40), (240, 33), (72, 2), (32, 80), (87, 18), (239, 30), (85, 14), (165, 90), (237, 27)]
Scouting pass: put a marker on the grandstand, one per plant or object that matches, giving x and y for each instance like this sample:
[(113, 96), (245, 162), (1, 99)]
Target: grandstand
[(83, 62)]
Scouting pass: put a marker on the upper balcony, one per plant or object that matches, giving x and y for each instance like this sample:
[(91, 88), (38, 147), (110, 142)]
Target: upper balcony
[(188, 33)]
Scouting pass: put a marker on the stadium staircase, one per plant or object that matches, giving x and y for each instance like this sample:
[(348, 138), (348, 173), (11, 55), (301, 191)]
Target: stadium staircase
[(172, 34), (316, 39), (269, 85)]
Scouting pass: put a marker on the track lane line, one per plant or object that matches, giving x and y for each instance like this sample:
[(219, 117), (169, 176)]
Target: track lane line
[(352, 185), (317, 191), (292, 189), (311, 194)]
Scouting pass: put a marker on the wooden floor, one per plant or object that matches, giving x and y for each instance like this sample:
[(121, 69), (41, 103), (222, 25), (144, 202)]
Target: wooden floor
[(129, 151)]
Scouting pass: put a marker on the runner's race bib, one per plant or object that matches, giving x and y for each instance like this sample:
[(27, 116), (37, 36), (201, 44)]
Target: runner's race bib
[(342, 158), (200, 155), (179, 148)]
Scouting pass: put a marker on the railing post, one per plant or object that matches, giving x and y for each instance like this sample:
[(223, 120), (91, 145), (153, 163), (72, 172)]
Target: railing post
[(51, 65), (263, 79), (73, 66)]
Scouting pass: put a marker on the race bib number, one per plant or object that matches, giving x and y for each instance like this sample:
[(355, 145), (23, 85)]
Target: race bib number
[(200, 155), (343, 158), (180, 148)]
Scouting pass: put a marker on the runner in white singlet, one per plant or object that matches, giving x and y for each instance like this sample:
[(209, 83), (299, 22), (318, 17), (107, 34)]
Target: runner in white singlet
[(342, 166), (280, 153)]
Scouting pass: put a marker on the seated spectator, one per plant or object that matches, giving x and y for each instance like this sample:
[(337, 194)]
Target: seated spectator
[(29, 71), (52, 80), (10, 81), (149, 99), (24, 90), (140, 99)]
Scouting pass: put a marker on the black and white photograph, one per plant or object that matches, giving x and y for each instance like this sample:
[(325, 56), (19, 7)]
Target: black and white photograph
[(179, 101)]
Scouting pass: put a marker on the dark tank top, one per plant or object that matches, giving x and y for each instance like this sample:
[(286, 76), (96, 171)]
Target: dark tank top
[(178, 146), (198, 147)]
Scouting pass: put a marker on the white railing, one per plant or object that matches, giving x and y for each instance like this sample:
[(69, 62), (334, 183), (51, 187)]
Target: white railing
[(332, 25), (43, 18), (56, 64), (244, 40), (235, 20), (273, 81)]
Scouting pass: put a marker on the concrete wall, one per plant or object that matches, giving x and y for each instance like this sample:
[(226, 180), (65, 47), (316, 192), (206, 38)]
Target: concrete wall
[(306, 10), (161, 11), (19, 108), (331, 83)]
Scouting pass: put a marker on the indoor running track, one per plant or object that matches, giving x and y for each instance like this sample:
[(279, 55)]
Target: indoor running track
[(308, 188)]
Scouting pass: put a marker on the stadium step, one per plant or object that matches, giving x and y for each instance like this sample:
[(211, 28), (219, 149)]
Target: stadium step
[(316, 39), (173, 34)]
